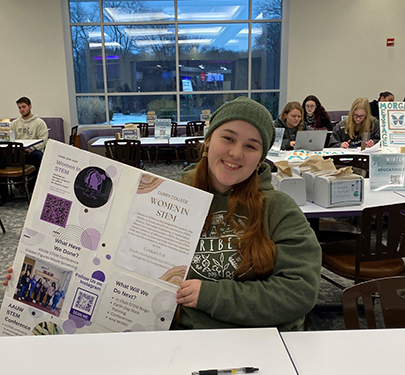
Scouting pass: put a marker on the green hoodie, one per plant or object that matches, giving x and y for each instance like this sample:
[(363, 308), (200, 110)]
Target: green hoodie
[(281, 300)]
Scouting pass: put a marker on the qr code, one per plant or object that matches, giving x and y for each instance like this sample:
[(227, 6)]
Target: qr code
[(84, 301), (56, 210), (395, 179)]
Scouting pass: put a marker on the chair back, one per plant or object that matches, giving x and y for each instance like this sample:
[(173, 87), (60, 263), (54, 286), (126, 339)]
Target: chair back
[(193, 150), (142, 126), (391, 291), (73, 135), (360, 163), (12, 155), (127, 151), (174, 132), (195, 128), (372, 245)]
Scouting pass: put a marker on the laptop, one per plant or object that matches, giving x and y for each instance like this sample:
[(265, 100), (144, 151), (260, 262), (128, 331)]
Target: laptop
[(310, 140)]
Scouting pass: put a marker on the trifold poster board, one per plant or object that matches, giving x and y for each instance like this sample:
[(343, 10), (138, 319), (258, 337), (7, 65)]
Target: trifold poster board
[(163, 127), (108, 245), (387, 172), (392, 124)]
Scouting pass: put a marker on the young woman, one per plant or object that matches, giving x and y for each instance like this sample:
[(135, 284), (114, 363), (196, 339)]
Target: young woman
[(348, 132), (315, 116), (384, 96), (291, 119), (258, 261)]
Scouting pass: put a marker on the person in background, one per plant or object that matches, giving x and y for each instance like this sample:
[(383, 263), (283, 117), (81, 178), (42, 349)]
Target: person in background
[(291, 119), (258, 261), (24, 283), (384, 96), (38, 286), (349, 131), (33, 283), (49, 293), (315, 116), (43, 292), (30, 126)]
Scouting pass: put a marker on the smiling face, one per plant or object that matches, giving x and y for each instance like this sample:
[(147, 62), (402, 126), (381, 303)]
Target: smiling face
[(293, 118), (234, 151), (310, 107)]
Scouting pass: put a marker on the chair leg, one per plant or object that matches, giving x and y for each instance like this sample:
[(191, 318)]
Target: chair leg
[(27, 191), (177, 156), (148, 153), (156, 155), (2, 227)]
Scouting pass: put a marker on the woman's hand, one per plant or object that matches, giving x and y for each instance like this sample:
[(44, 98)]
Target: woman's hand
[(345, 144), (370, 143), (292, 144), (187, 294), (8, 276)]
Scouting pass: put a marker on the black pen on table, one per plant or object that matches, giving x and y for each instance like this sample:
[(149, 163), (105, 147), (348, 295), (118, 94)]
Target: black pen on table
[(240, 370)]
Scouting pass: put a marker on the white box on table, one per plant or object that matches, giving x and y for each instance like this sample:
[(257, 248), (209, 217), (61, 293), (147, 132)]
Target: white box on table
[(292, 186), (335, 191)]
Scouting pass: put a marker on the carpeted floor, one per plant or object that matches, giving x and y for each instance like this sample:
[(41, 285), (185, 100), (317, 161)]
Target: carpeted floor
[(323, 317)]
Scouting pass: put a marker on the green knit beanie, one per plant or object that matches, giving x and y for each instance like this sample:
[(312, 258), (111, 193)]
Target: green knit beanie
[(243, 108)]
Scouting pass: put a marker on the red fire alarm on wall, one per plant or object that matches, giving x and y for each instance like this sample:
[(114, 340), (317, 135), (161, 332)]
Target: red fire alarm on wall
[(390, 42)]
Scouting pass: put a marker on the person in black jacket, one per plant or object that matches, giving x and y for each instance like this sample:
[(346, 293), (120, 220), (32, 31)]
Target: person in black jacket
[(291, 120), (315, 116), (348, 133), (384, 96)]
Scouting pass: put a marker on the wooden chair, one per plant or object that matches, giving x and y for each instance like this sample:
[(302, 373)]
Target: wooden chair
[(168, 149), (195, 128), (144, 132), (359, 163), (73, 135), (193, 150), (391, 293), (370, 255), (13, 165), (127, 151)]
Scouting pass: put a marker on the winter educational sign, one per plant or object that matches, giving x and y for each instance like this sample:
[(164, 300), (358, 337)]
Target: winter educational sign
[(103, 249)]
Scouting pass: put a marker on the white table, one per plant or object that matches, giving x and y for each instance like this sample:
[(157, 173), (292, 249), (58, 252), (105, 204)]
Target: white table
[(157, 353), (28, 142), (149, 141), (358, 352), (146, 141)]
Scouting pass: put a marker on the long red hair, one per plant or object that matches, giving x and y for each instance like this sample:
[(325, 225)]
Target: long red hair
[(258, 251)]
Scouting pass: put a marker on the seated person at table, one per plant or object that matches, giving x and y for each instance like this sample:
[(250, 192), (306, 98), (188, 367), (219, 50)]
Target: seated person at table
[(384, 96), (349, 131), (30, 126), (258, 261), (291, 120), (315, 116)]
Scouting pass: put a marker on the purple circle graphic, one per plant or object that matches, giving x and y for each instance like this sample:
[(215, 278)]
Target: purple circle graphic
[(90, 238), (98, 275), (96, 261), (69, 326), (108, 256), (79, 322)]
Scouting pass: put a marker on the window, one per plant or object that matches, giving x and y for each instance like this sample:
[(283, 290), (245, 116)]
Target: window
[(176, 58)]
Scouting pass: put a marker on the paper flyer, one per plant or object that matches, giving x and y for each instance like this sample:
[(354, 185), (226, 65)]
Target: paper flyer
[(103, 249), (392, 124)]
